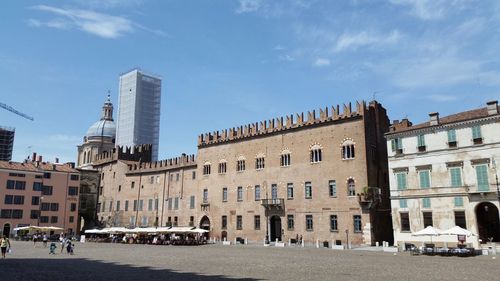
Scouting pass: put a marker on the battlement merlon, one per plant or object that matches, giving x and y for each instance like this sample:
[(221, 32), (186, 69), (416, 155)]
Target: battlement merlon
[(138, 153), (183, 161), (284, 123)]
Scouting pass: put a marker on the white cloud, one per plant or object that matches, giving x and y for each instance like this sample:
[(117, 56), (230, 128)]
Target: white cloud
[(353, 41), (109, 4), (64, 138), (321, 62), (248, 6), (430, 9), (279, 48), (100, 24), (286, 58)]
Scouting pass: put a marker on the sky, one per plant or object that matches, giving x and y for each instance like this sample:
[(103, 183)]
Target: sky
[(226, 63)]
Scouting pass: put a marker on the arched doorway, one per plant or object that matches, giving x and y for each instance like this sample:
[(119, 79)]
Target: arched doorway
[(488, 222), (6, 229), (275, 225), (223, 236), (205, 224)]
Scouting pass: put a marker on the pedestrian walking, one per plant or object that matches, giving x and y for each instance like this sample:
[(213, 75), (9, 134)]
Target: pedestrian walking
[(35, 238), (4, 245), (45, 239), (63, 243)]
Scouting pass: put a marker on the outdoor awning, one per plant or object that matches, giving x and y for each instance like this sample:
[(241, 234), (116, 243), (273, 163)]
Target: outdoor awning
[(457, 230), (428, 231), (40, 228)]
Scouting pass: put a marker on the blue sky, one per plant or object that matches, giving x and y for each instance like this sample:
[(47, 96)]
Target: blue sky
[(226, 63)]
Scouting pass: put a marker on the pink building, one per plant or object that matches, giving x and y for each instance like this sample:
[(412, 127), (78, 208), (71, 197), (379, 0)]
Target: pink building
[(38, 193)]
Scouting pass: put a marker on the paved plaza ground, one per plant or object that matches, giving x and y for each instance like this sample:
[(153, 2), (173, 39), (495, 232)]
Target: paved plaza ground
[(95, 261)]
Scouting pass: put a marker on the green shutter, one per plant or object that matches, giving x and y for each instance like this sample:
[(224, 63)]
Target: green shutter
[(421, 140), (401, 177), (426, 202), (452, 136), (456, 177), (424, 179), (393, 145), (459, 202), (476, 132), (399, 143), (482, 178), (403, 203)]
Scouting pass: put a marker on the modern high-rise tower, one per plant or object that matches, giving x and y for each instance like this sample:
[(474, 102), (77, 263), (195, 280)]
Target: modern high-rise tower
[(6, 143), (139, 110)]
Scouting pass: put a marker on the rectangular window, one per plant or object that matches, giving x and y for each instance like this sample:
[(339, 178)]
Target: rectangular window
[(289, 191), (403, 203), (170, 203), (126, 205), (205, 195), (456, 177), (257, 193), (224, 222), (191, 202), (332, 188), (405, 222), (240, 193), (44, 219), (54, 207), (150, 204), (397, 145), (259, 163), (6, 214), (290, 222), (20, 185), (34, 214), (309, 222), (45, 206), (427, 219), (239, 222), (285, 160), (193, 176), (156, 204), (9, 199), (256, 222), (74, 177), (103, 206), (460, 219), (35, 200), (110, 206), (222, 167), (72, 207), (224, 194), (19, 200), (452, 138), (53, 219), (206, 169), (11, 184), (482, 178), (176, 203), (426, 202), (459, 201), (308, 190), (117, 206), (357, 223), (71, 219), (334, 223), (72, 191), (48, 175), (132, 185), (240, 165), (135, 205), (476, 134), (177, 177), (37, 186), (425, 181), (401, 179), (274, 191), (141, 205), (47, 190), (421, 142)]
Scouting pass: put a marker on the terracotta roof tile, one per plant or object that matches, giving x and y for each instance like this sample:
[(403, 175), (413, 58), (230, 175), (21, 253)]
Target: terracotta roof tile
[(454, 118), (30, 166)]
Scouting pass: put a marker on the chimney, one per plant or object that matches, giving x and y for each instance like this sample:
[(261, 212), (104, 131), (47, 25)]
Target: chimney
[(492, 107), (33, 157), (57, 160), (53, 167), (434, 121)]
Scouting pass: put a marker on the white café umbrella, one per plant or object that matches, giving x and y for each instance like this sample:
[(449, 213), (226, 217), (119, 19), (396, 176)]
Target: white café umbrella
[(428, 231), (199, 230), (457, 230)]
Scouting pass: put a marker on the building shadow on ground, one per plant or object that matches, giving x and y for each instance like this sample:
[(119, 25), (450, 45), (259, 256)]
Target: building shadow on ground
[(90, 270)]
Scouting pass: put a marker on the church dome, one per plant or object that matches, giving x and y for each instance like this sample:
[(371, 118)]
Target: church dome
[(102, 128)]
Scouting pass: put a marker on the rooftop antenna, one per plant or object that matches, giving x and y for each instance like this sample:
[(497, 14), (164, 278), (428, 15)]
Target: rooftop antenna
[(374, 96)]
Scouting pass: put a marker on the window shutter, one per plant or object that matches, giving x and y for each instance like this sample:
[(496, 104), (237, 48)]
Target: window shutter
[(482, 178), (456, 179)]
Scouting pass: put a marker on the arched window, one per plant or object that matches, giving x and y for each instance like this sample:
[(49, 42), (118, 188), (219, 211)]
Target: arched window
[(84, 157), (285, 160), (348, 150), (240, 164), (89, 156), (222, 167), (316, 156), (206, 168), (351, 187), (260, 161)]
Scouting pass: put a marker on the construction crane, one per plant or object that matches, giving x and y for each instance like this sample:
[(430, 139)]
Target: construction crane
[(9, 108)]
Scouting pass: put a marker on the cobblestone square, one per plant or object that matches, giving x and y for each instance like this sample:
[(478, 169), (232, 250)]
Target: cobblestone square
[(96, 261)]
